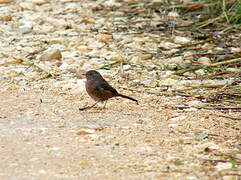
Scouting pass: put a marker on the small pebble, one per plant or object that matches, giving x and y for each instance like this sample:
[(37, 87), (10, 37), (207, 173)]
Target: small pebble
[(50, 55)]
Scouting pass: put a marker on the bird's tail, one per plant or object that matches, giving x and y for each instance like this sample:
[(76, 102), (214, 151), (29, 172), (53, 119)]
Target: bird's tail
[(127, 97)]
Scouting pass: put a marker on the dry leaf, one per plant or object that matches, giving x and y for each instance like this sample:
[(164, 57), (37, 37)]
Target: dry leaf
[(104, 37), (5, 1), (6, 18)]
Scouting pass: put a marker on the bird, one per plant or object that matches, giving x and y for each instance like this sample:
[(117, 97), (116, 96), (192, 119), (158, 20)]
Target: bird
[(99, 89)]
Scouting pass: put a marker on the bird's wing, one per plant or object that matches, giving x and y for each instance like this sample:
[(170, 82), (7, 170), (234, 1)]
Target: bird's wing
[(105, 86)]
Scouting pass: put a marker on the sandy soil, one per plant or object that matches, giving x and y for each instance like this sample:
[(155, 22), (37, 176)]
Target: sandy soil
[(44, 136)]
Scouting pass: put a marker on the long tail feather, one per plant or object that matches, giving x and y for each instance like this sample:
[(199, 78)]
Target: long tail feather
[(127, 97)]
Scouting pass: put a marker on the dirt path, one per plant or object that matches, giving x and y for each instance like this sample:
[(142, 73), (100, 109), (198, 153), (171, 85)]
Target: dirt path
[(53, 140)]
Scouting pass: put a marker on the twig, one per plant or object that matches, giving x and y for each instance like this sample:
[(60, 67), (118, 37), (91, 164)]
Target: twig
[(46, 71), (20, 60), (109, 64), (49, 74), (206, 23), (16, 61), (232, 118), (236, 109), (182, 71)]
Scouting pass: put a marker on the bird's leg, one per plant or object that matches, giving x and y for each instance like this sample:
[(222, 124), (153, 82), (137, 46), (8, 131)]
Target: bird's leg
[(105, 104), (88, 107)]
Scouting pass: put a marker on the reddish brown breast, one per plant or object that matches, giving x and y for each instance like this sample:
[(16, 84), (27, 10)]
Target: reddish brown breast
[(97, 92)]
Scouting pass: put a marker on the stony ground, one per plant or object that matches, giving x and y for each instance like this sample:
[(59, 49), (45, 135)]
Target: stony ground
[(43, 134)]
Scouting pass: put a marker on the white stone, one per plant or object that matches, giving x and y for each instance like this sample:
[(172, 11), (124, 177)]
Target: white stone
[(167, 45), (235, 50), (27, 5), (178, 118), (173, 14), (204, 60), (172, 125), (182, 40), (50, 55), (222, 166)]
